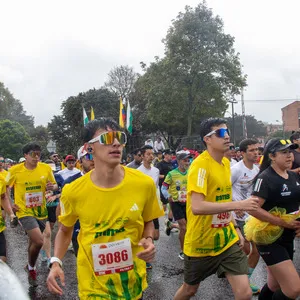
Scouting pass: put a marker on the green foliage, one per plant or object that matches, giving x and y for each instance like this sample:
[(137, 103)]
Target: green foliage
[(12, 109), (12, 139), (199, 73), (41, 136), (66, 130), (255, 128)]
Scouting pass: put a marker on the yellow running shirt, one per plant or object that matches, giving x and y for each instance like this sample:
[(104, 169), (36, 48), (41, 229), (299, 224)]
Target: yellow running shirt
[(209, 235), (3, 173), (111, 225), (2, 191), (176, 182), (30, 187)]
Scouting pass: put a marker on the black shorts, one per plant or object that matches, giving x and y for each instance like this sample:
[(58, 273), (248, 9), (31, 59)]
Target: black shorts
[(2, 244), (51, 214), (277, 252), (178, 210), (156, 224)]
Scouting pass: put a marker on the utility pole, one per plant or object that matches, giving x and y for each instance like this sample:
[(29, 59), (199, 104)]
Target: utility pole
[(233, 101), (243, 115)]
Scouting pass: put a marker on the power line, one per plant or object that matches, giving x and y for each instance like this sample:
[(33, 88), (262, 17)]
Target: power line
[(270, 100)]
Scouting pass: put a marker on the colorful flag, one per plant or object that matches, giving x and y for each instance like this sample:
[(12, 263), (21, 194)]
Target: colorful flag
[(129, 118), (85, 117), (122, 116), (92, 114)]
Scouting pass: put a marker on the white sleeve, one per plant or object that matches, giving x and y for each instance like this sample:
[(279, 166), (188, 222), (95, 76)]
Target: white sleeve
[(235, 173), (155, 146)]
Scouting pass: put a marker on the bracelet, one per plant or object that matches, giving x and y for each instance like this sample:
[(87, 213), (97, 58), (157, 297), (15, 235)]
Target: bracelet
[(55, 259), (149, 237)]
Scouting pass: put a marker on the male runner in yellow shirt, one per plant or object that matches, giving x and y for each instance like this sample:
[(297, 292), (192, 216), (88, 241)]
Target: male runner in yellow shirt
[(31, 179), (211, 238), (115, 206)]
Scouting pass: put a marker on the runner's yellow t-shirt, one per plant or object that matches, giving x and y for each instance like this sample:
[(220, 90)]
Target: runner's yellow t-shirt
[(110, 215), (176, 182), (209, 235), (3, 172), (29, 189), (2, 192)]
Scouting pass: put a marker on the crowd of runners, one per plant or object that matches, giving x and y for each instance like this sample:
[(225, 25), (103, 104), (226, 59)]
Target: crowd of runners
[(230, 205)]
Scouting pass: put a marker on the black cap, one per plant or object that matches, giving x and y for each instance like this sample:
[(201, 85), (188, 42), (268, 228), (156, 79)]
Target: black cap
[(280, 145)]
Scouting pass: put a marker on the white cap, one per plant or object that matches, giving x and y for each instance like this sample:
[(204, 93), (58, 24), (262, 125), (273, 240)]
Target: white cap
[(22, 159), (81, 152)]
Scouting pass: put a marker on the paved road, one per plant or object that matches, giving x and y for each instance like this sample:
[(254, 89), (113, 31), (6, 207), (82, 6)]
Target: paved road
[(164, 279)]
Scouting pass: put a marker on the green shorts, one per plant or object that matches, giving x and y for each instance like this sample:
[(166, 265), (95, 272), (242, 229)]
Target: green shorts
[(232, 261)]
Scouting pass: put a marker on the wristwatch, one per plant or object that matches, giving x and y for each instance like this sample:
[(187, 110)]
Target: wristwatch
[(53, 260)]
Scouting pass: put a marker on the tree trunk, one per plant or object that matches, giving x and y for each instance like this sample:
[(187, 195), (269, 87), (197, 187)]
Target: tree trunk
[(189, 127)]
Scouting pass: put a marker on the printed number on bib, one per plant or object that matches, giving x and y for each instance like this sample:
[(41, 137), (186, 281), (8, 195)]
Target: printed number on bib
[(114, 257), (182, 196), (34, 199), (221, 220)]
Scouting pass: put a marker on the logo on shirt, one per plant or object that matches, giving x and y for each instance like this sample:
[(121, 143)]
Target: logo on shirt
[(109, 232), (201, 177), (134, 207), (285, 190), (257, 185)]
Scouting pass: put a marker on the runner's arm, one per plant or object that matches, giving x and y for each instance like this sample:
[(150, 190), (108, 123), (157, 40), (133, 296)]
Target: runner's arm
[(164, 191), (5, 203), (148, 230), (202, 207)]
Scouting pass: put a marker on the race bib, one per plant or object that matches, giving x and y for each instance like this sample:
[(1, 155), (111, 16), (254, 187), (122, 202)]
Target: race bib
[(34, 199), (114, 257), (221, 220), (182, 196)]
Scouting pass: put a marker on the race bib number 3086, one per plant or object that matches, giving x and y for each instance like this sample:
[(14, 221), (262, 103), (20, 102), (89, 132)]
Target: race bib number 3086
[(114, 257)]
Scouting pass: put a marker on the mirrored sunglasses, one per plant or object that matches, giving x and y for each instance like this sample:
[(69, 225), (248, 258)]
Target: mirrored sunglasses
[(108, 138), (88, 156), (220, 133), (34, 154), (2, 160)]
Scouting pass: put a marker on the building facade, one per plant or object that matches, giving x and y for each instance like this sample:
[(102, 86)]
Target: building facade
[(291, 116)]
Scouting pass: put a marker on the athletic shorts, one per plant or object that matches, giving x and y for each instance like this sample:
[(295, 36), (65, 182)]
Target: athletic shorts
[(2, 244), (232, 261), (178, 210), (51, 214), (277, 252), (29, 223), (156, 223)]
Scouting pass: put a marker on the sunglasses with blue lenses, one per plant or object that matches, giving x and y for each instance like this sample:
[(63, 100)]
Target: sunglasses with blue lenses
[(220, 133)]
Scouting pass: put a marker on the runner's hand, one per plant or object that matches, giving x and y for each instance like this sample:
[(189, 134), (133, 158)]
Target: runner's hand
[(250, 204), (292, 225), (148, 254), (239, 214), (13, 221), (241, 242), (298, 232), (55, 272), (49, 186), (15, 208)]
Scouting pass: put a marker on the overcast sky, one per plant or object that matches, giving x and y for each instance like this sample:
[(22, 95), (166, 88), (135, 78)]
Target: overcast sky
[(50, 51)]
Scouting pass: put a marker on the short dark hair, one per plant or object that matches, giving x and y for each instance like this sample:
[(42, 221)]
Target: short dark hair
[(145, 148), (247, 142), (136, 151), (207, 125), (295, 135), (103, 123), (31, 147)]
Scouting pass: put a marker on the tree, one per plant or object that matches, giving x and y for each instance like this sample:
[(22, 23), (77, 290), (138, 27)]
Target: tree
[(66, 129), (121, 81), (12, 109), (255, 128), (12, 139), (199, 73), (41, 136)]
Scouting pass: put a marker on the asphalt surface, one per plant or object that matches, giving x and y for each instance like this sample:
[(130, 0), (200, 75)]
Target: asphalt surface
[(164, 279)]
